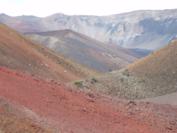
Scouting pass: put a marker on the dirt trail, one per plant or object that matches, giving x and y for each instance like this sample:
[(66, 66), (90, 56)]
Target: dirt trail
[(76, 112)]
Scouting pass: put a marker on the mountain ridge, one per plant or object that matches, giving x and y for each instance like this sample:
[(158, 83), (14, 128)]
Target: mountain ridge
[(85, 50), (130, 30)]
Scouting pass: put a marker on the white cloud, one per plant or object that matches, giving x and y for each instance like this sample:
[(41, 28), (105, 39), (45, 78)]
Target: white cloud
[(88, 7)]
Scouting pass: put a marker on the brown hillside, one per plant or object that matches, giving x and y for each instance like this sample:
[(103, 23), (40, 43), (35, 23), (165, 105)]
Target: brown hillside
[(158, 64), (85, 50), (17, 52), (152, 76)]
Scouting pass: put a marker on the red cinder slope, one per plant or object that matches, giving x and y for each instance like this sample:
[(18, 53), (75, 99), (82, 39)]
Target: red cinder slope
[(76, 112)]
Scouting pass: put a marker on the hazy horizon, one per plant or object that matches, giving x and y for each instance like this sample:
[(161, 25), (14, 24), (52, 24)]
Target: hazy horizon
[(87, 14), (79, 7)]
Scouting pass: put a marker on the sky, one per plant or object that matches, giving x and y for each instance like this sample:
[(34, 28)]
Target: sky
[(44, 8)]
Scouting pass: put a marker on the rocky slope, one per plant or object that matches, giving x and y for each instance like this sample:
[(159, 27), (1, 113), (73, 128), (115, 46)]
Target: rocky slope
[(19, 53), (152, 76), (77, 112), (85, 50), (15, 118), (144, 29)]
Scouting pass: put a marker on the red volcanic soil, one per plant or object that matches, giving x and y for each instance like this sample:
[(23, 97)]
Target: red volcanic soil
[(77, 112)]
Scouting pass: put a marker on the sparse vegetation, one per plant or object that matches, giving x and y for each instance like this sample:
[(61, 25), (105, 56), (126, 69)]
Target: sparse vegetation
[(94, 80), (79, 84), (126, 73), (150, 77)]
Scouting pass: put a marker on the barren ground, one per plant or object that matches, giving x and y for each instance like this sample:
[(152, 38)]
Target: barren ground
[(78, 112)]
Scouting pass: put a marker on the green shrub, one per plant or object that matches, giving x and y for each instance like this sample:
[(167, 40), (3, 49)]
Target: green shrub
[(94, 80), (79, 83)]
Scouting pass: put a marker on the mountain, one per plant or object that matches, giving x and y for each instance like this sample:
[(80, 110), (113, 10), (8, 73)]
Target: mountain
[(19, 53), (144, 29), (152, 76), (84, 50)]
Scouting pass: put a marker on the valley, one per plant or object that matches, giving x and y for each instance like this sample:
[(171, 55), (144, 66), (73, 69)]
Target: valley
[(89, 74)]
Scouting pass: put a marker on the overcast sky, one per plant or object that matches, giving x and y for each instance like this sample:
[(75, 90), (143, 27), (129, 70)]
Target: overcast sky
[(80, 7)]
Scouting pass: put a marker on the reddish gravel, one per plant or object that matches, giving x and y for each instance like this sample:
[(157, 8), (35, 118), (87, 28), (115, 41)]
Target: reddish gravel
[(76, 112)]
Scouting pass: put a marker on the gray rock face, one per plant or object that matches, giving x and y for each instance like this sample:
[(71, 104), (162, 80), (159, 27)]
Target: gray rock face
[(139, 29)]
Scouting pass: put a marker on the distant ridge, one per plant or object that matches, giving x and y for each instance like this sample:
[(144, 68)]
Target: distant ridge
[(143, 29), (85, 50)]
